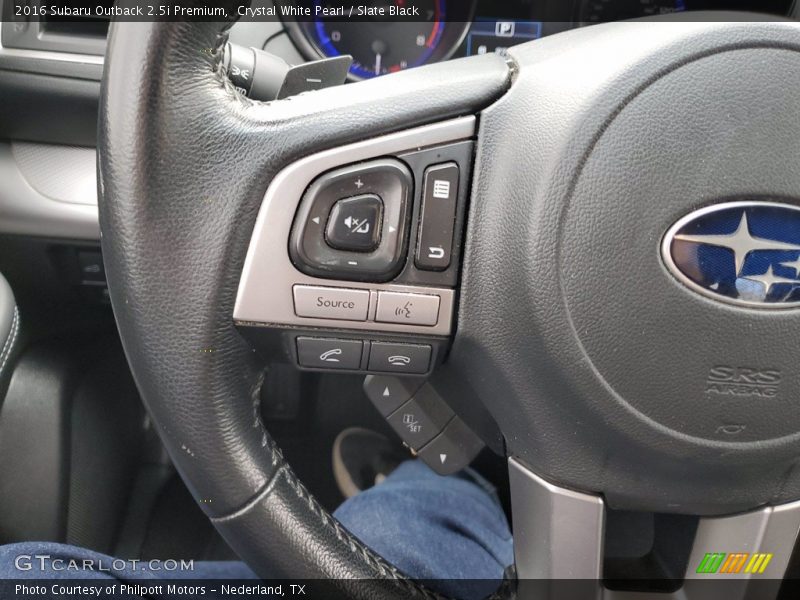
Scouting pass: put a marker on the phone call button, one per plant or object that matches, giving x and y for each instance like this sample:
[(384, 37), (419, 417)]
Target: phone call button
[(329, 354)]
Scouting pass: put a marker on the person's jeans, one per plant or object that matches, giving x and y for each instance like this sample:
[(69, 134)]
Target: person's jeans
[(449, 531)]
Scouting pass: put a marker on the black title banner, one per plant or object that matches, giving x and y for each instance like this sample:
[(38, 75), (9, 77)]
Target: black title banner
[(220, 10)]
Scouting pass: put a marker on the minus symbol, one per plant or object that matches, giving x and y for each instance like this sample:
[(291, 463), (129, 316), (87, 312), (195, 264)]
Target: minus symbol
[(312, 80)]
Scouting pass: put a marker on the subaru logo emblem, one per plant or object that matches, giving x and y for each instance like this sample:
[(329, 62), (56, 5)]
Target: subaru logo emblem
[(745, 253)]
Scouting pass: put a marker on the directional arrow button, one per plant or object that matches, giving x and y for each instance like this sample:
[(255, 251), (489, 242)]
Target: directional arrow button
[(452, 450), (388, 393)]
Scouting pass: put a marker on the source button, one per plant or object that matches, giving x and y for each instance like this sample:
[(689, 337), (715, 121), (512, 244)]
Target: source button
[(331, 303)]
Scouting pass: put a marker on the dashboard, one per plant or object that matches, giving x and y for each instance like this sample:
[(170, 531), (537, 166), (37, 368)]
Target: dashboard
[(50, 76)]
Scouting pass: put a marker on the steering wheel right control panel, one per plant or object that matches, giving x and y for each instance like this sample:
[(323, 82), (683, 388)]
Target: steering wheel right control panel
[(353, 268)]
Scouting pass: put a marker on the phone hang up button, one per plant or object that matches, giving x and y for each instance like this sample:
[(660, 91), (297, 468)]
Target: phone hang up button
[(399, 358)]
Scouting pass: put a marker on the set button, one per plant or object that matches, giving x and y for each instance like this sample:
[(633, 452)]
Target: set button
[(421, 419)]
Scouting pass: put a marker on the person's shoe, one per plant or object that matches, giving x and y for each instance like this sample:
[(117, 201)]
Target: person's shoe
[(363, 458)]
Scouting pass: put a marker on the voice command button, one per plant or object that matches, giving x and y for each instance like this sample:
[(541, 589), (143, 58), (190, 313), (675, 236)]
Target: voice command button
[(409, 309)]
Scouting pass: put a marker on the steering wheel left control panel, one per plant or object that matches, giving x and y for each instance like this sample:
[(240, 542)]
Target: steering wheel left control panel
[(353, 268), (354, 260)]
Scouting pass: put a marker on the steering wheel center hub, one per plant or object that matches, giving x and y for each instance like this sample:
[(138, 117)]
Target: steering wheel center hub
[(619, 372), (695, 366)]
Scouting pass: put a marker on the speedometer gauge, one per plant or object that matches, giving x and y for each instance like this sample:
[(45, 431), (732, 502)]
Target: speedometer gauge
[(603, 11), (380, 45), (384, 47)]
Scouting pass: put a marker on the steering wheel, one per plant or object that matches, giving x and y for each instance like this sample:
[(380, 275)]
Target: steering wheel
[(572, 334)]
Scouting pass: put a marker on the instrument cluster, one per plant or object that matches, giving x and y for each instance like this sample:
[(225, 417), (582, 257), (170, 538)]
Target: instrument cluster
[(447, 29)]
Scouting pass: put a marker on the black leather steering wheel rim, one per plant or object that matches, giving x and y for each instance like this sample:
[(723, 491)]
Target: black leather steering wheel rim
[(184, 161)]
